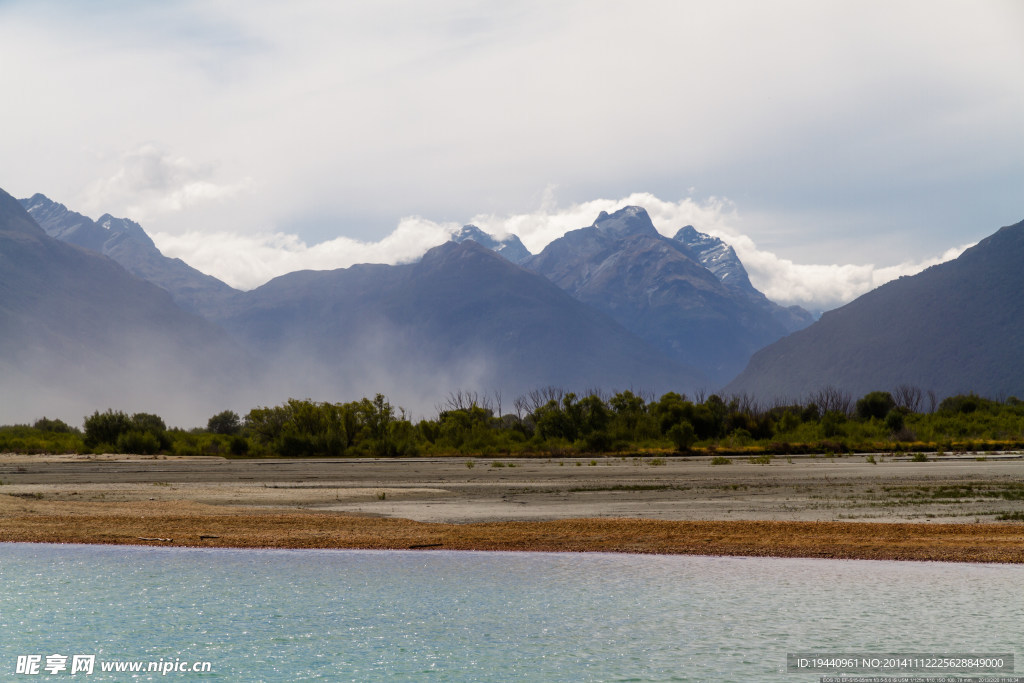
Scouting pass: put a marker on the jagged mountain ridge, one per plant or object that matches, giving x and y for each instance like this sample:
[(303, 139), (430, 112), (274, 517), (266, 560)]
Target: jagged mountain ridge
[(698, 317), (461, 316), (721, 259), (716, 256), (954, 328), (126, 242), (658, 288), (510, 247), (79, 333)]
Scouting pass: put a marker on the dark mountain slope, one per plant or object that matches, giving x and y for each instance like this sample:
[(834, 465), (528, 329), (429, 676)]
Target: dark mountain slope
[(79, 333), (462, 317), (127, 243), (657, 288), (956, 327)]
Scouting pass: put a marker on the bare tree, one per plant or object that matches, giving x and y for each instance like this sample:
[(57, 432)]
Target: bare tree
[(908, 396), (746, 403), (521, 406), (497, 402), (461, 399), (832, 399)]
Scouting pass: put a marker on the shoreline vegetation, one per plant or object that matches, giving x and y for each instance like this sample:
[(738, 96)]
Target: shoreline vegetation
[(553, 422), (888, 476)]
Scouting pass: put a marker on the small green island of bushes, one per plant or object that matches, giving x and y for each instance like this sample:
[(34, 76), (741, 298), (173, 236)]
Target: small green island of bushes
[(553, 421)]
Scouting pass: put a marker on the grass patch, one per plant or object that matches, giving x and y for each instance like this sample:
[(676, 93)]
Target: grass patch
[(630, 487)]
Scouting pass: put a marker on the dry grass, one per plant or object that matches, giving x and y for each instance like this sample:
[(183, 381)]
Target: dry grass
[(194, 524)]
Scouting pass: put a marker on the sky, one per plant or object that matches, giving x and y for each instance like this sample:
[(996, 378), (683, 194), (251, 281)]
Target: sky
[(835, 145)]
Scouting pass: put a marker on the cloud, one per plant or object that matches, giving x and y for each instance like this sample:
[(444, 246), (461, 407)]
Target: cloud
[(149, 182), (821, 287), (246, 261), (309, 117)]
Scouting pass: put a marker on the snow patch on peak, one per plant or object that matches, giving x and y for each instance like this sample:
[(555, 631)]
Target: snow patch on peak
[(626, 222), (715, 255), (510, 248)]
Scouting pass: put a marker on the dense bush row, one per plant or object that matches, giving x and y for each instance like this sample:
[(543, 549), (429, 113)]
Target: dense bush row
[(554, 421)]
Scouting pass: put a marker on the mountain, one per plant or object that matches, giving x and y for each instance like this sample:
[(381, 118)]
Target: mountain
[(954, 328), (722, 261), (127, 243), (80, 333), (461, 317), (716, 256), (510, 247), (660, 289)]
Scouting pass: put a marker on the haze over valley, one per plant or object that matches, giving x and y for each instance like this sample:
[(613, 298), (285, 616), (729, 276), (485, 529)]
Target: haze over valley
[(99, 317)]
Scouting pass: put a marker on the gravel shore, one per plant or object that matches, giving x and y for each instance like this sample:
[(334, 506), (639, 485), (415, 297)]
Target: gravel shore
[(946, 509)]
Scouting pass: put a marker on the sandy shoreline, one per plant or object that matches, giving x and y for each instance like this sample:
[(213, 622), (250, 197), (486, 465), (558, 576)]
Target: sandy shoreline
[(946, 509)]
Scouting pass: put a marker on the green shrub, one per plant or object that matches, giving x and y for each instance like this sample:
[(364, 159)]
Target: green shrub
[(683, 435), (894, 421), (238, 445), (876, 404), (138, 443), (55, 426), (226, 422), (105, 428)]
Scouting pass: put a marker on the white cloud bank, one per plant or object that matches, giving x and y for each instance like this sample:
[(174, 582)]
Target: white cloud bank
[(149, 182), (246, 260), (901, 118), (249, 260)]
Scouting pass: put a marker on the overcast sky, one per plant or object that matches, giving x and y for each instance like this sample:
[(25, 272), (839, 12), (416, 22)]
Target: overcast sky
[(835, 144)]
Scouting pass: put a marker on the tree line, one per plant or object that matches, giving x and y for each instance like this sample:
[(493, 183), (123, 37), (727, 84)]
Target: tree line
[(551, 421)]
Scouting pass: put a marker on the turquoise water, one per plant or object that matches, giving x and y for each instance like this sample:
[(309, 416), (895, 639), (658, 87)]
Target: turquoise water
[(273, 615)]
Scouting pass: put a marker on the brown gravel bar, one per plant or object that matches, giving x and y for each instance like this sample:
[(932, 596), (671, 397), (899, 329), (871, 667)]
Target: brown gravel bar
[(949, 508), (197, 525)]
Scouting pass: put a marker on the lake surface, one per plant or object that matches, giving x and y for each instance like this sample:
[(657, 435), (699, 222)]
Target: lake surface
[(275, 615)]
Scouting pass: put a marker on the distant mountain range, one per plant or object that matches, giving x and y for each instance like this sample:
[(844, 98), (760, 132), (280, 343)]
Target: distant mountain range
[(656, 317), (460, 317), (127, 243), (957, 327), (664, 291), (78, 330), (94, 307)]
